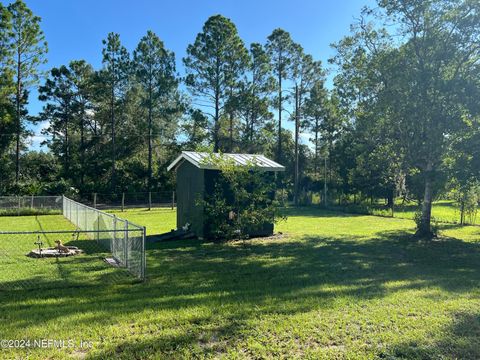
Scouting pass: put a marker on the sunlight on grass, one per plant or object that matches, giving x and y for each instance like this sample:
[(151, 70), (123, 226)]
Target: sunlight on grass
[(333, 286)]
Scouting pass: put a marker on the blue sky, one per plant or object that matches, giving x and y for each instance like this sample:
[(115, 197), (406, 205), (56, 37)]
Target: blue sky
[(74, 29)]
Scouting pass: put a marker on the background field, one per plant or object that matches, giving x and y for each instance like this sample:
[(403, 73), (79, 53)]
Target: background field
[(443, 211), (333, 285)]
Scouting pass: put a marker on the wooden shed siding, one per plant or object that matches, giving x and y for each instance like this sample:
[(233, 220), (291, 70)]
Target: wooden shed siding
[(190, 187)]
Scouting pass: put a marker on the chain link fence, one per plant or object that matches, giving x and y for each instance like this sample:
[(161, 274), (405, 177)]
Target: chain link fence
[(124, 240), (30, 205), (44, 205), (100, 248), (126, 200), (21, 271)]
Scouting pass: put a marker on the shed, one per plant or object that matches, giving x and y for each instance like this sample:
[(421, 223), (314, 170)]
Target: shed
[(196, 173)]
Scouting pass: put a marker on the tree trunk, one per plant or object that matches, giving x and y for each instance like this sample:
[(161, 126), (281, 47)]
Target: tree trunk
[(82, 145), (390, 199), (112, 119), (297, 128), (231, 131), (325, 198), (279, 150), (67, 150), (424, 228), (315, 165), (462, 212), (18, 101), (216, 125), (150, 147)]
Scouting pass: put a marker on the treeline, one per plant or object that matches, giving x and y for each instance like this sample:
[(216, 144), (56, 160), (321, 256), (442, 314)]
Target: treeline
[(402, 118)]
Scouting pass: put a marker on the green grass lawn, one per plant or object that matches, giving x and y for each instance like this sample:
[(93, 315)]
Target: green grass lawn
[(17, 271), (444, 211), (157, 221), (332, 286)]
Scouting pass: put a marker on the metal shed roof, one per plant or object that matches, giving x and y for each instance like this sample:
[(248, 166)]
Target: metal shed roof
[(199, 159)]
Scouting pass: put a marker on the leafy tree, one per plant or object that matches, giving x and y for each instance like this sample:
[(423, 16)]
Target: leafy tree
[(82, 77), (29, 48), (68, 94), (214, 63), (6, 83), (195, 127), (464, 167), (59, 112), (439, 63), (279, 48), (419, 85), (155, 73)]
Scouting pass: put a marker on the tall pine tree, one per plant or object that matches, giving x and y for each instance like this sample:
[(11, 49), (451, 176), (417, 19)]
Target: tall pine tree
[(214, 63), (29, 49)]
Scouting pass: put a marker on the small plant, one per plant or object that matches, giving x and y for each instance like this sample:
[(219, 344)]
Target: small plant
[(467, 197)]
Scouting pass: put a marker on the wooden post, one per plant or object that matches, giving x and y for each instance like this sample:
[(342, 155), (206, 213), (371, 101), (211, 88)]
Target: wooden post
[(94, 200), (325, 184), (149, 200), (31, 202), (173, 200), (125, 245), (123, 201), (113, 244), (393, 203)]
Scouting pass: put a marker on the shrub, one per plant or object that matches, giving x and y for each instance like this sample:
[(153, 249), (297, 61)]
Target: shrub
[(242, 202)]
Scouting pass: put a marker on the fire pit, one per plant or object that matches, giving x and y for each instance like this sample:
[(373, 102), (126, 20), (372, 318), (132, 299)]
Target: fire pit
[(58, 251), (54, 252)]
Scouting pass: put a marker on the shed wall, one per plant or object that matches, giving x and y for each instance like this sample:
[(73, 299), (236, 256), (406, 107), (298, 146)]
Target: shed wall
[(190, 187)]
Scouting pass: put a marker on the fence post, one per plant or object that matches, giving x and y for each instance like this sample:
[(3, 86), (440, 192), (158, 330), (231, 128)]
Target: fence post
[(149, 200), (125, 244), (98, 227), (94, 200), (173, 200), (123, 201), (31, 202), (144, 253), (114, 243)]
